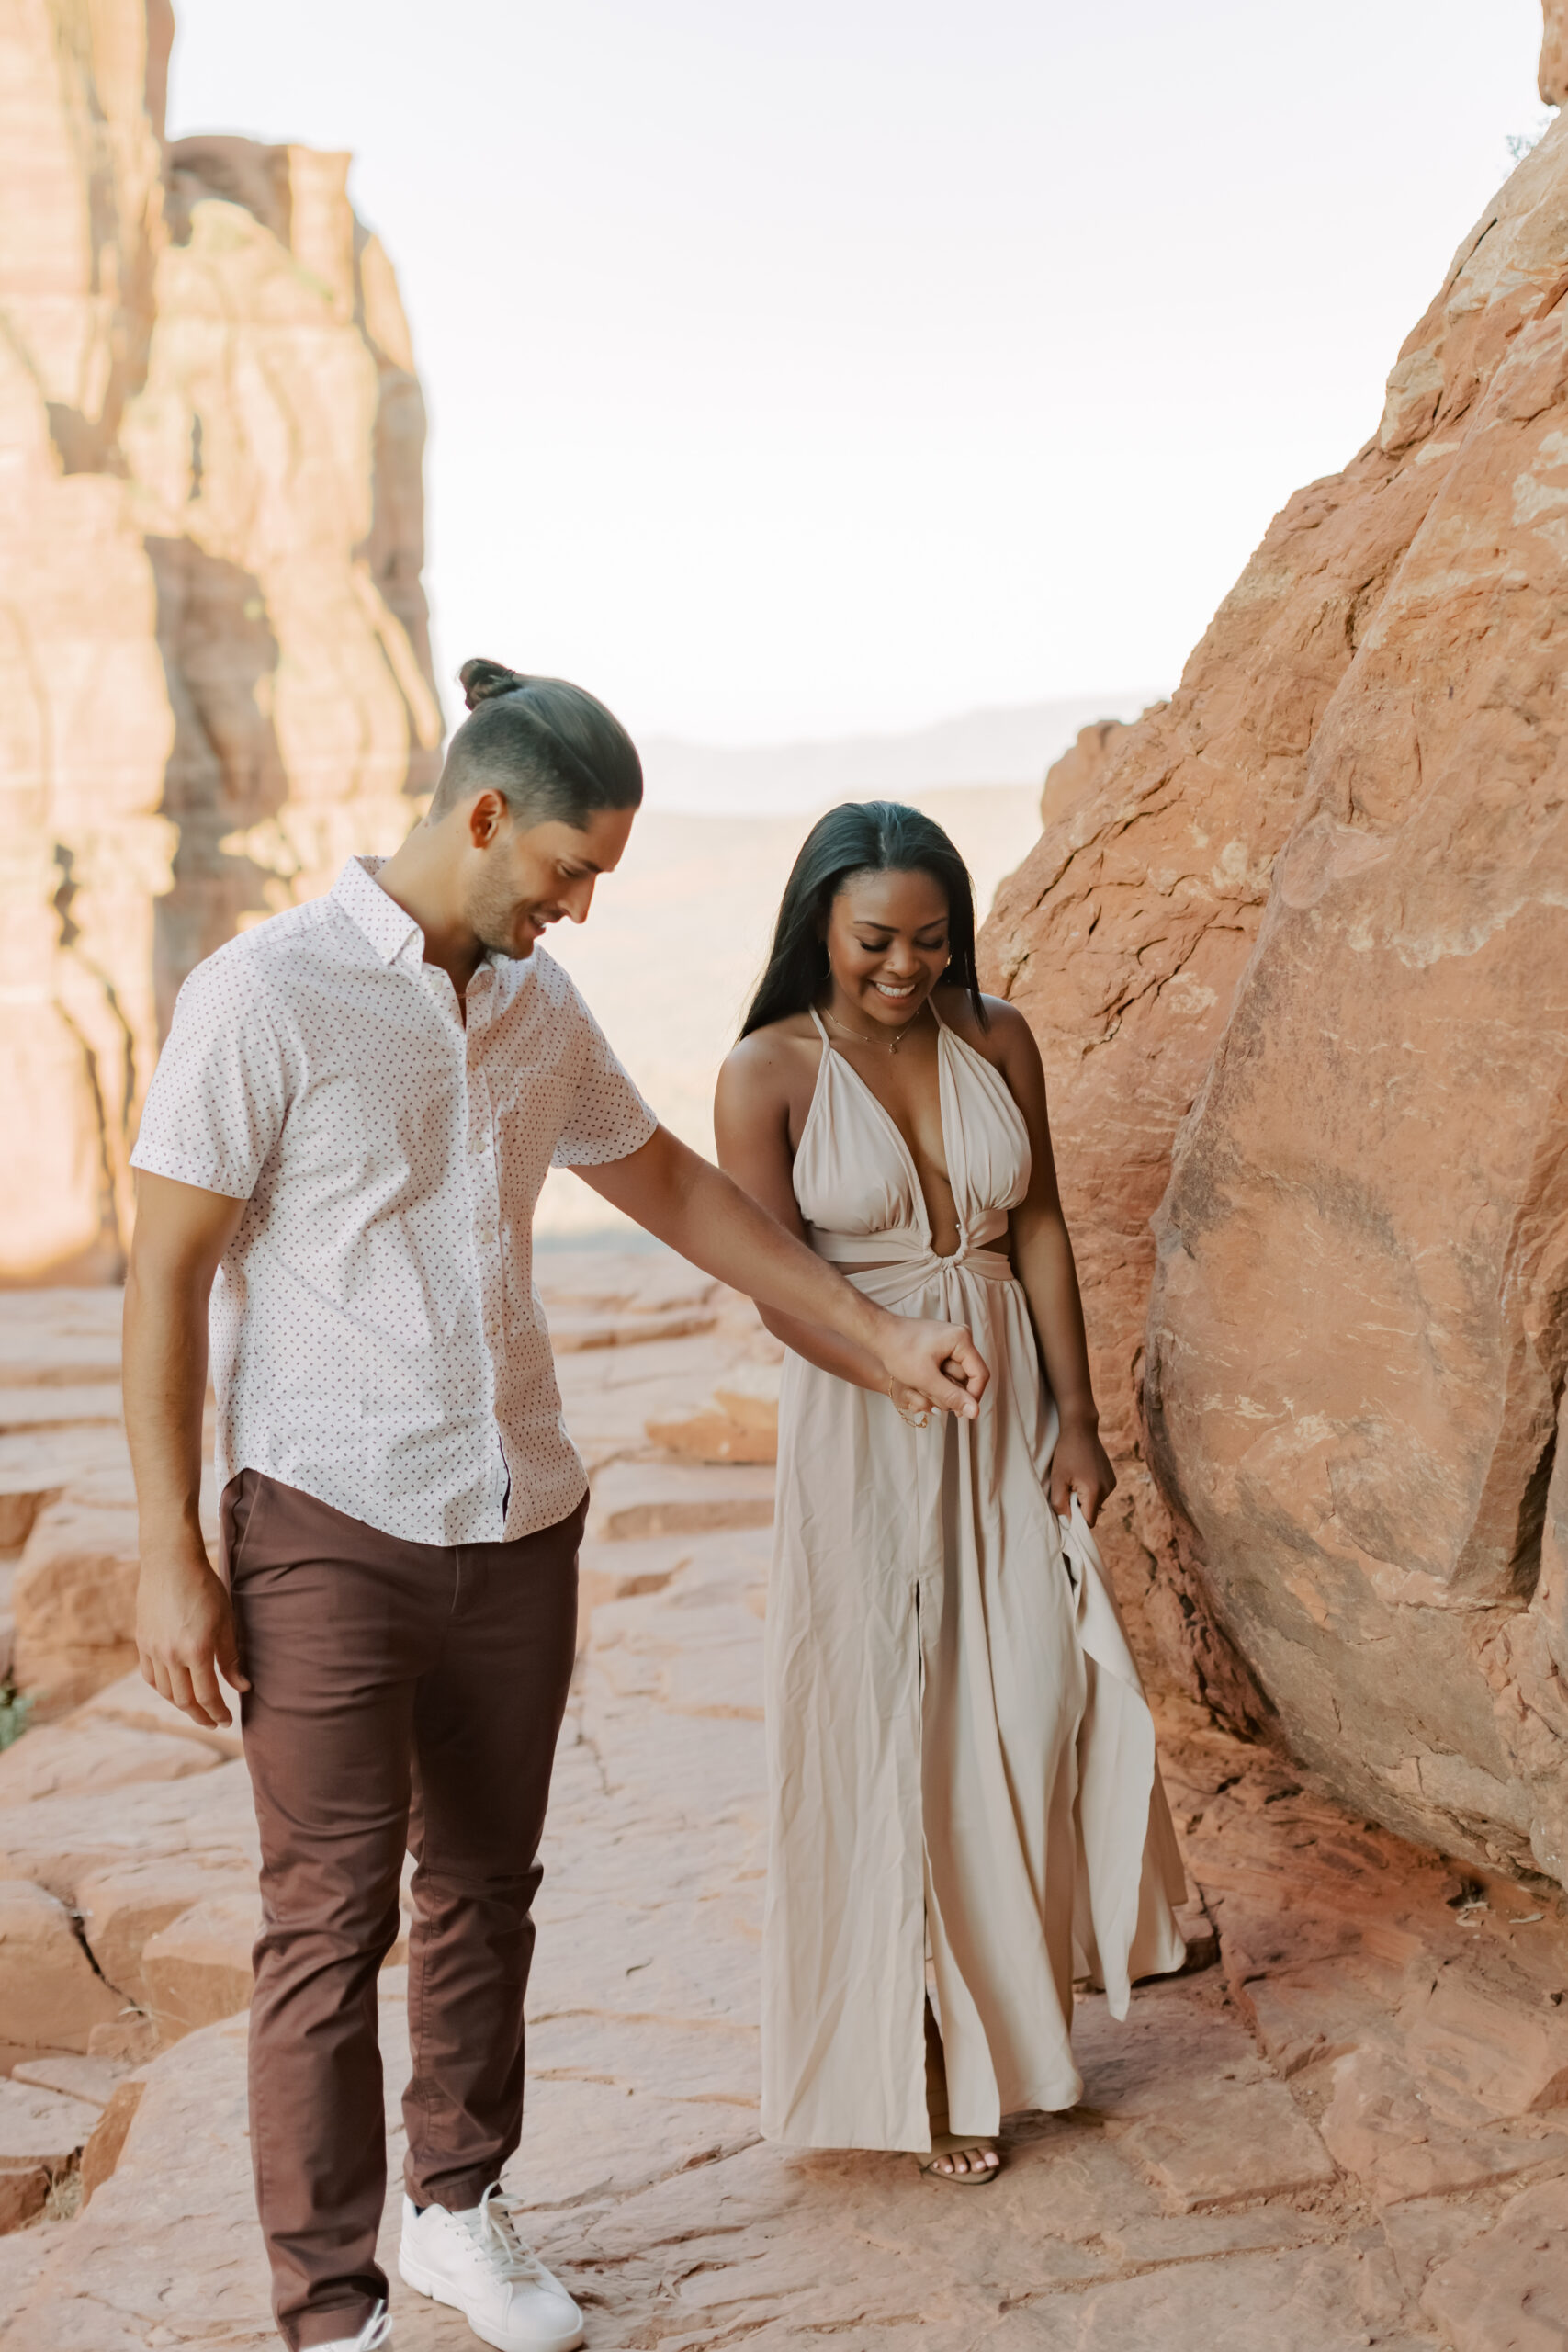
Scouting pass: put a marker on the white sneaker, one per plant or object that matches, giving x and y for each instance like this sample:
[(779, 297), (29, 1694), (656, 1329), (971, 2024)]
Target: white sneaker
[(376, 2332), (477, 2262)]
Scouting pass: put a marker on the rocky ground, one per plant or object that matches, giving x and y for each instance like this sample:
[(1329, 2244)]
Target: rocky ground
[(1346, 2126)]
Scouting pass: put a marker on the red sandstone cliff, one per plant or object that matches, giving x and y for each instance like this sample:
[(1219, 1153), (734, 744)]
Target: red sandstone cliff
[(214, 665), (1297, 962)]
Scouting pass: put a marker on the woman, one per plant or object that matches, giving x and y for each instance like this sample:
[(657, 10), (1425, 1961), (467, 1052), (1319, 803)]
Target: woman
[(966, 1807)]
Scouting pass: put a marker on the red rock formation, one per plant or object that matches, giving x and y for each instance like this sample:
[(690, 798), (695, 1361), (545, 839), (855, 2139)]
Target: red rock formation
[(1313, 917), (1553, 73), (214, 667), (1359, 1331), (1124, 936), (1081, 769)]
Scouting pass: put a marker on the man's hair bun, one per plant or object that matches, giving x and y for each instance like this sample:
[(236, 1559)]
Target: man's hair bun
[(551, 750), (482, 681)]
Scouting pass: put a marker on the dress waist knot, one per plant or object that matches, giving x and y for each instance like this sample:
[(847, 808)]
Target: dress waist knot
[(907, 1249)]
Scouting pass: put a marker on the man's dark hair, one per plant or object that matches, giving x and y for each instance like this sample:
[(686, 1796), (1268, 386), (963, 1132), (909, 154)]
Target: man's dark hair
[(550, 750)]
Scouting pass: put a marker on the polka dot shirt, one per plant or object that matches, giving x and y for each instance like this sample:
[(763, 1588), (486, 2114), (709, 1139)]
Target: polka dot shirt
[(377, 1337)]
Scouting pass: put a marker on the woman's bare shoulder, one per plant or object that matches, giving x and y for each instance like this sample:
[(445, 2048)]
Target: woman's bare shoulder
[(771, 1058), (1004, 1025)]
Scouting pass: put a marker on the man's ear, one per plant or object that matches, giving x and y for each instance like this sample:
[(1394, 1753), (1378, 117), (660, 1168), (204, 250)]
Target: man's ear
[(486, 817)]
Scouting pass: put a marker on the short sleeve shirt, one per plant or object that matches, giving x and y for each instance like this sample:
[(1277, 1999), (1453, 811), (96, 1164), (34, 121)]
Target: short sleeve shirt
[(377, 1341)]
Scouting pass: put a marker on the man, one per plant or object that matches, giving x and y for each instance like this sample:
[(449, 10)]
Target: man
[(343, 1145)]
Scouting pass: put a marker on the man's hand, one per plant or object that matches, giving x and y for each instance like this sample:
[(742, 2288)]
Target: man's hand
[(937, 1360), (185, 1632)]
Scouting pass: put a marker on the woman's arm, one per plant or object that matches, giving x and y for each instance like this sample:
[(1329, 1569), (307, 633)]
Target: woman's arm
[(1042, 1259), (751, 1124)]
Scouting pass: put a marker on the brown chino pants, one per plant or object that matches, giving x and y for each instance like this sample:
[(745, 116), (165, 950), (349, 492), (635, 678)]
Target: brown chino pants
[(402, 1695)]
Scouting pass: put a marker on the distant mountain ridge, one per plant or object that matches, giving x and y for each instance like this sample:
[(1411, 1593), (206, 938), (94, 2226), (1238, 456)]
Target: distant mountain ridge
[(1009, 746)]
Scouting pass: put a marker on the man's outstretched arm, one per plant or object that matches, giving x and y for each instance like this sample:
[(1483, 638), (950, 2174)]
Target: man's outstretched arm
[(185, 1630), (696, 1209)]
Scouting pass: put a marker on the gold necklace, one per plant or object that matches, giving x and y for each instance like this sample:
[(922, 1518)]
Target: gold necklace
[(862, 1039)]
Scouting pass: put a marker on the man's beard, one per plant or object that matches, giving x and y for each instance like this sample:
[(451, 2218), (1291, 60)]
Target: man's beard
[(493, 915)]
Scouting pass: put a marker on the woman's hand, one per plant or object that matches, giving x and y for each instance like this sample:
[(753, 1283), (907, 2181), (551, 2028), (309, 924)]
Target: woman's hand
[(1080, 1466), (910, 1405)]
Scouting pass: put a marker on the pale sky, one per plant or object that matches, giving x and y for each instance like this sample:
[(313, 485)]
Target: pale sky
[(840, 365)]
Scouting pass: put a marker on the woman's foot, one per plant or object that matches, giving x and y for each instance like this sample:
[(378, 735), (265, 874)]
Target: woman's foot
[(958, 2157), (965, 2157)]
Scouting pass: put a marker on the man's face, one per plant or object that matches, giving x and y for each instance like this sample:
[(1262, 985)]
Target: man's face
[(519, 879)]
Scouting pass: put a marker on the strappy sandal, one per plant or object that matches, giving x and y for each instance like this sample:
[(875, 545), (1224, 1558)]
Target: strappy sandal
[(954, 2143)]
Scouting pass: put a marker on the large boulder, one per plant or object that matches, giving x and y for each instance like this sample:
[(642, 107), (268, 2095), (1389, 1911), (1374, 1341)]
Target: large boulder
[(1358, 1329), (1297, 955)]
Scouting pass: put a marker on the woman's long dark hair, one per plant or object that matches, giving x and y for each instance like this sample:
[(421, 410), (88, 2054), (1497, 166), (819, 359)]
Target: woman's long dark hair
[(860, 837)]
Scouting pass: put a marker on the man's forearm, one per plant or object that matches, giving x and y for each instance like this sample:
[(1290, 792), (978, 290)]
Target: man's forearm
[(845, 1359), (166, 1389), (185, 1627), (688, 1202)]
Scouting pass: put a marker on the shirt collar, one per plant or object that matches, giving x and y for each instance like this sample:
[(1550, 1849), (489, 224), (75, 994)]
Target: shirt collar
[(384, 924)]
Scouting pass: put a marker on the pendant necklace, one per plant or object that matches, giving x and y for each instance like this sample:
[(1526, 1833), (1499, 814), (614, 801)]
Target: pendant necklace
[(860, 1036)]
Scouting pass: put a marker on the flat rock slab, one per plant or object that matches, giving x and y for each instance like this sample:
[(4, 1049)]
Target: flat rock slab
[(39, 2125), (68, 1757), (80, 1458), (636, 1498), (134, 1704), (1508, 2291), (59, 1337), (91, 2080), (1228, 2144), (197, 1969), (42, 2132), (572, 1330), (60, 1840), (625, 1282), (50, 1996), (58, 1407), (125, 1908), (1382, 2127)]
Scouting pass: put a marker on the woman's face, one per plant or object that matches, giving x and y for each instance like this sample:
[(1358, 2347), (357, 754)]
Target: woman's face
[(888, 945)]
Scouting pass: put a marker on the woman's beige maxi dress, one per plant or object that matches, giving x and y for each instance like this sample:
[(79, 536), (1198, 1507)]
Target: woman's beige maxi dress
[(961, 1760)]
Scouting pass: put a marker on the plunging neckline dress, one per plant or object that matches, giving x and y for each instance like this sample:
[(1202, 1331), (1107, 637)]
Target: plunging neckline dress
[(963, 1782)]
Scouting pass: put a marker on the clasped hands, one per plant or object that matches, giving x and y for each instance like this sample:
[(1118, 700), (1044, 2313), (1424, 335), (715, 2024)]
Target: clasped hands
[(928, 1365)]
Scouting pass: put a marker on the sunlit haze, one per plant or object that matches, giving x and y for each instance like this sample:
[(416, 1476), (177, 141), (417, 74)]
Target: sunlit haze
[(843, 364)]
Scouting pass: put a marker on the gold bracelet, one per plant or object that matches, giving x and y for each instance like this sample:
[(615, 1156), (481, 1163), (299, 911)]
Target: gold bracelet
[(912, 1420)]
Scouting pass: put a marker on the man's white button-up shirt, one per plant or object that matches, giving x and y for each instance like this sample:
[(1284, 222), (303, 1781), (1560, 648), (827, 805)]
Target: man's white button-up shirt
[(377, 1337)]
